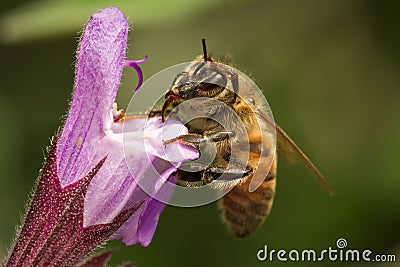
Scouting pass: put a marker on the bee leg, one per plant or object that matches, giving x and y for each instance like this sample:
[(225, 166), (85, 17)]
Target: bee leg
[(219, 136), (191, 166), (229, 174), (190, 173), (197, 139), (155, 113), (197, 174)]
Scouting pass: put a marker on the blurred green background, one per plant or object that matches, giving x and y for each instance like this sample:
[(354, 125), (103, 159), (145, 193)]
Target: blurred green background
[(329, 69)]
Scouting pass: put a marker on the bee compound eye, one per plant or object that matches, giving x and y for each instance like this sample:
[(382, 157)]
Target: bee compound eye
[(181, 79), (216, 78), (206, 73)]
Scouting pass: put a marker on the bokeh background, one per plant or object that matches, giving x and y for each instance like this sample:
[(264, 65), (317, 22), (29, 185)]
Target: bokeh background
[(329, 69)]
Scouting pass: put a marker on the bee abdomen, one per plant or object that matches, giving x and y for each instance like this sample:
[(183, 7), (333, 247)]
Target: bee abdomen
[(243, 211)]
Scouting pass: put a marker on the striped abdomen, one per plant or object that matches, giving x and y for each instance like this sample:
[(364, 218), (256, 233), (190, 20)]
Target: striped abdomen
[(243, 211)]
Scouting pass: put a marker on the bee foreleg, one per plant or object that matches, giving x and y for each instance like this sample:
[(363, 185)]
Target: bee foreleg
[(218, 136), (197, 139), (155, 113)]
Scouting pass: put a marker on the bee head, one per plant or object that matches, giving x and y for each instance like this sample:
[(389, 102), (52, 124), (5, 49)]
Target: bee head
[(203, 78)]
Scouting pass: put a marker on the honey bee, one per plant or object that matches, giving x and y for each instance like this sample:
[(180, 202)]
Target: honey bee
[(234, 118)]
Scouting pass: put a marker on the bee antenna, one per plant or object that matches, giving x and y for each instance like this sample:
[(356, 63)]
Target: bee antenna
[(203, 41)]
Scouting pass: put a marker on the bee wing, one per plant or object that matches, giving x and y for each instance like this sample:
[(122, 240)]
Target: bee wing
[(291, 151)]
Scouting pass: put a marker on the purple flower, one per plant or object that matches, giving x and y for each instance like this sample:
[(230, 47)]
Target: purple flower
[(90, 132), (106, 173)]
